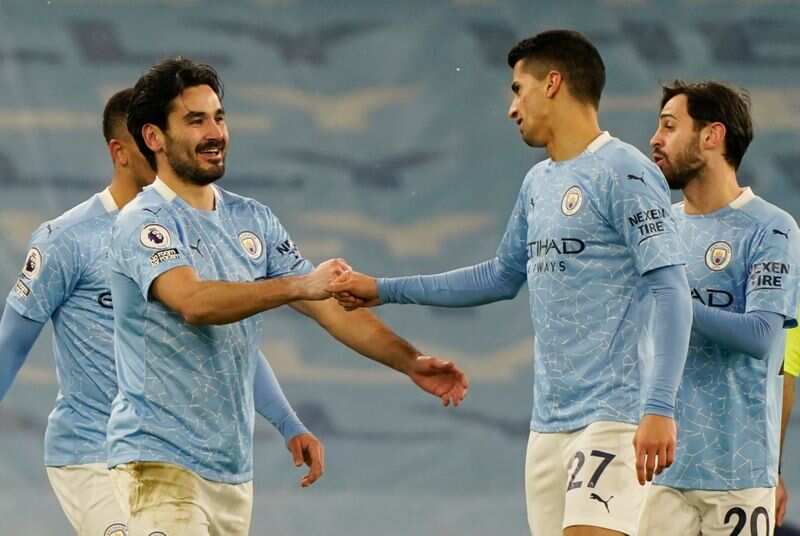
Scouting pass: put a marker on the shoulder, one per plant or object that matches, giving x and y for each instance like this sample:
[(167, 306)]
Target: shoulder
[(626, 165), (147, 207), (766, 215), (242, 206), (72, 223)]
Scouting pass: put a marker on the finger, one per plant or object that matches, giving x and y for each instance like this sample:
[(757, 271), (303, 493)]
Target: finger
[(445, 398), (651, 463), (662, 460), (315, 463), (641, 457), (780, 513), (670, 454), (297, 452)]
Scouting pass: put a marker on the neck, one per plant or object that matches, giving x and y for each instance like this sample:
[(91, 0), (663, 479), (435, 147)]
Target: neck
[(197, 196), (123, 188), (572, 132), (712, 190)]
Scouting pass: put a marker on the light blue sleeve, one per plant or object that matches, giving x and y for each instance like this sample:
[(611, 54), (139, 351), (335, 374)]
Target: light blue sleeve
[(669, 287), (773, 284), (512, 253), (283, 256), (17, 335), (145, 246), (641, 212), (487, 282), (48, 276), (750, 333), (271, 403)]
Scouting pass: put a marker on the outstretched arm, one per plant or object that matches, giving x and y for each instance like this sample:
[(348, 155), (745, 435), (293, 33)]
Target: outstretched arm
[(366, 334), (202, 302), (17, 335), (483, 283)]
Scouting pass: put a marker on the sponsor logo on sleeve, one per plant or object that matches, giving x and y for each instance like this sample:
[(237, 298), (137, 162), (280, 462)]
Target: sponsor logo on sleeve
[(21, 289), (768, 275), (165, 255), (33, 264), (251, 244), (718, 256), (155, 236), (572, 201), (649, 223)]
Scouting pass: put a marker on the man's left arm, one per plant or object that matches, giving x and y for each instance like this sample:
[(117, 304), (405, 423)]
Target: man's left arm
[(366, 334)]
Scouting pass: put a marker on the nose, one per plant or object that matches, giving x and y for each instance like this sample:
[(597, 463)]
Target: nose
[(655, 141), (513, 113)]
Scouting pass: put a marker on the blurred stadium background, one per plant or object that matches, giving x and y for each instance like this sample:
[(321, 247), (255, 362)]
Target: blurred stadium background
[(376, 130)]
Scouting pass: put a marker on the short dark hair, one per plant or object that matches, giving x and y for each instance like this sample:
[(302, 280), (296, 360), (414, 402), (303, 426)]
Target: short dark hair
[(155, 90), (717, 102), (572, 54), (116, 112)]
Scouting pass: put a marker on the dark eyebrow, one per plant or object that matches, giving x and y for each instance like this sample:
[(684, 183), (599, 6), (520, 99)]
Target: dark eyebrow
[(193, 115), (664, 115)]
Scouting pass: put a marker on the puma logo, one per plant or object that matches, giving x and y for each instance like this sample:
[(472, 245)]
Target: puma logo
[(196, 247), (782, 233), (598, 498), (635, 178), (151, 211)]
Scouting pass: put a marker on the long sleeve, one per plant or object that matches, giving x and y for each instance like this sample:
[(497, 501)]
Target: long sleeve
[(673, 311), (272, 404), (17, 335), (483, 283)]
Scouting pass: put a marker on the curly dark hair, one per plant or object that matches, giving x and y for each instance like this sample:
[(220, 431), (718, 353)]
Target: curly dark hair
[(155, 90)]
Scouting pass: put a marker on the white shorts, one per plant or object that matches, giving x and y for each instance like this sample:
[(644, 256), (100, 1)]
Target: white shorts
[(586, 477), (163, 499), (744, 512), (86, 495)]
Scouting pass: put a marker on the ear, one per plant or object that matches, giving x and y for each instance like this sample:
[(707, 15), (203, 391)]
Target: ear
[(553, 81), (713, 136), (117, 152), (153, 137)]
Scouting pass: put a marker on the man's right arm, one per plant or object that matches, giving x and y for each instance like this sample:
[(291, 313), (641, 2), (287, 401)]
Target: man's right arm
[(497, 279), (202, 302)]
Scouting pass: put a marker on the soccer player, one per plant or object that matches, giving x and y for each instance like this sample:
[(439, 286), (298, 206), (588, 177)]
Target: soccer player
[(64, 278), (742, 255), (593, 235), (191, 266)]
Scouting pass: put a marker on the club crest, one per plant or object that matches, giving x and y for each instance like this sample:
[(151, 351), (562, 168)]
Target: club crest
[(117, 529), (718, 256), (33, 264), (155, 236), (572, 201), (251, 244)]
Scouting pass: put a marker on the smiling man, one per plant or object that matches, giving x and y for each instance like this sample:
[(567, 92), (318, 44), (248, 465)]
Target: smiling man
[(191, 267)]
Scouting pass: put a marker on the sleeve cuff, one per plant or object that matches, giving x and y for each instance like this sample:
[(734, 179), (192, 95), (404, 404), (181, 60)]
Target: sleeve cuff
[(292, 427)]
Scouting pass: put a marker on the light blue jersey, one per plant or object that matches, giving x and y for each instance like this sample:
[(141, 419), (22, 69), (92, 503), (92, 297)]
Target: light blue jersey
[(584, 231), (741, 258), (186, 392), (64, 279)]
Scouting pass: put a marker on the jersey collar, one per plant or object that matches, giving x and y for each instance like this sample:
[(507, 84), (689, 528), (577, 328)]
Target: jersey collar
[(169, 194), (745, 197), (599, 141), (108, 201)]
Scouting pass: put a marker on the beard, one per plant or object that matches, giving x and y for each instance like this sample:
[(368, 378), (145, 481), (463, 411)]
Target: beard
[(686, 166), (187, 167)]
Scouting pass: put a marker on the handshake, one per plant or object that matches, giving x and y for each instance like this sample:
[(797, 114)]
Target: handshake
[(335, 278)]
